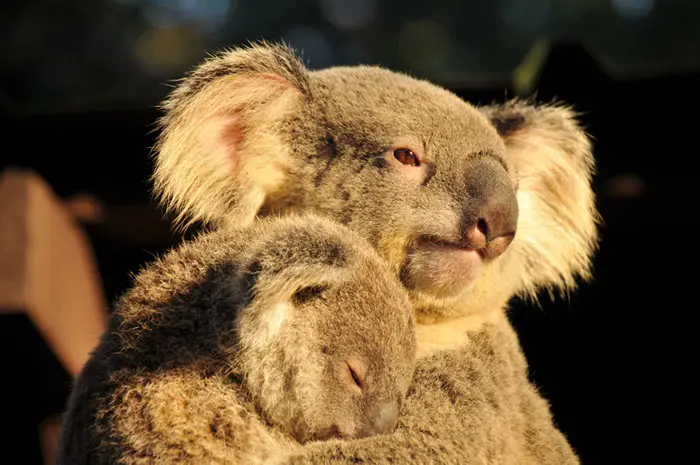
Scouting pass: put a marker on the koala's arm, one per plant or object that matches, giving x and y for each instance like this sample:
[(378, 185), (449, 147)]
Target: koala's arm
[(166, 417), (473, 405), (184, 417)]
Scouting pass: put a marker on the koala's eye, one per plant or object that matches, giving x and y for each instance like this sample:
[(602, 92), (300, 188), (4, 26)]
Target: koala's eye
[(358, 373), (406, 157), (305, 294), (355, 377)]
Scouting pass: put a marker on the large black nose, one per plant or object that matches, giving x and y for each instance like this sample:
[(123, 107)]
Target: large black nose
[(383, 420), (490, 217)]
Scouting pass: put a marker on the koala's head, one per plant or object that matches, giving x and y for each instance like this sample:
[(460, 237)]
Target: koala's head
[(327, 339), (449, 194)]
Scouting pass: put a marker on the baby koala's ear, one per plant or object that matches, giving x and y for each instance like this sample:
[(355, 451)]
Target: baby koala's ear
[(282, 278), (220, 153), (557, 228), (295, 266)]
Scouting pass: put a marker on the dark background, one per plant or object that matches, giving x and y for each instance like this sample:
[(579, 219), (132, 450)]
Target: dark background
[(79, 81)]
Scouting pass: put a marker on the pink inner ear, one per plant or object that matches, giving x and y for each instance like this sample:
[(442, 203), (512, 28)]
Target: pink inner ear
[(230, 129), (231, 136)]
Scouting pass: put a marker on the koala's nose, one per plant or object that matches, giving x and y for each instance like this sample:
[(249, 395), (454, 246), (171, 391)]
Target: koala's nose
[(494, 229), (384, 419), (491, 219)]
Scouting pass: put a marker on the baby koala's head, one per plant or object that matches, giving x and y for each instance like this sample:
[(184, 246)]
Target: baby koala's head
[(327, 338)]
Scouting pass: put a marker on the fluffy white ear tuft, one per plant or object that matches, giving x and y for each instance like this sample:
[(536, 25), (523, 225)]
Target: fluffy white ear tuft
[(220, 153), (558, 226)]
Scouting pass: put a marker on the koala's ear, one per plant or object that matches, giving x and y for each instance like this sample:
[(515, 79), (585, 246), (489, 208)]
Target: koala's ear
[(219, 153), (275, 288), (296, 267), (557, 228), (294, 284)]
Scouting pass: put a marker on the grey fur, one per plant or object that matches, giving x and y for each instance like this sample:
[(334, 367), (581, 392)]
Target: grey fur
[(325, 146), (242, 143), (227, 351)]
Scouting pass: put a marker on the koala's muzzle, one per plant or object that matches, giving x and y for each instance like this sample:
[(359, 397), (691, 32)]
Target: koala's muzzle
[(379, 418), (382, 420), (490, 214), (483, 197)]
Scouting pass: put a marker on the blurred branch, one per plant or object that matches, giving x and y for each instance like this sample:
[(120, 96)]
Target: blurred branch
[(527, 73)]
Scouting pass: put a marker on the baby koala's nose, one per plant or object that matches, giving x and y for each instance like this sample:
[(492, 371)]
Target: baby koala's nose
[(384, 419)]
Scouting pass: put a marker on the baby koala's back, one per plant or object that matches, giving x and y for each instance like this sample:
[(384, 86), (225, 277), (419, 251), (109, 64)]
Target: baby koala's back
[(295, 322)]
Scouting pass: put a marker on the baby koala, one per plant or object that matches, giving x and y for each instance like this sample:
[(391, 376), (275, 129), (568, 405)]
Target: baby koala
[(294, 322)]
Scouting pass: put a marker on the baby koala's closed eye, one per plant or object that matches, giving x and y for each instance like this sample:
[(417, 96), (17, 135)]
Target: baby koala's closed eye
[(327, 341), (294, 322)]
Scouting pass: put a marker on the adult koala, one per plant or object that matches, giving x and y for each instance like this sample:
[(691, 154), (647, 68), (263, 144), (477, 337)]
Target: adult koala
[(470, 207)]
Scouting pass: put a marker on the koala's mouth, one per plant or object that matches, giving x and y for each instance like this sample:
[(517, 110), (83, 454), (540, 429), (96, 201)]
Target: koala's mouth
[(438, 243), (487, 251), (324, 435), (442, 268)]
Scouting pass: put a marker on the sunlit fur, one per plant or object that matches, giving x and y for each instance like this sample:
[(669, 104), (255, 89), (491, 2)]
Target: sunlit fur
[(210, 359), (317, 140), (192, 136), (557, 231)]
